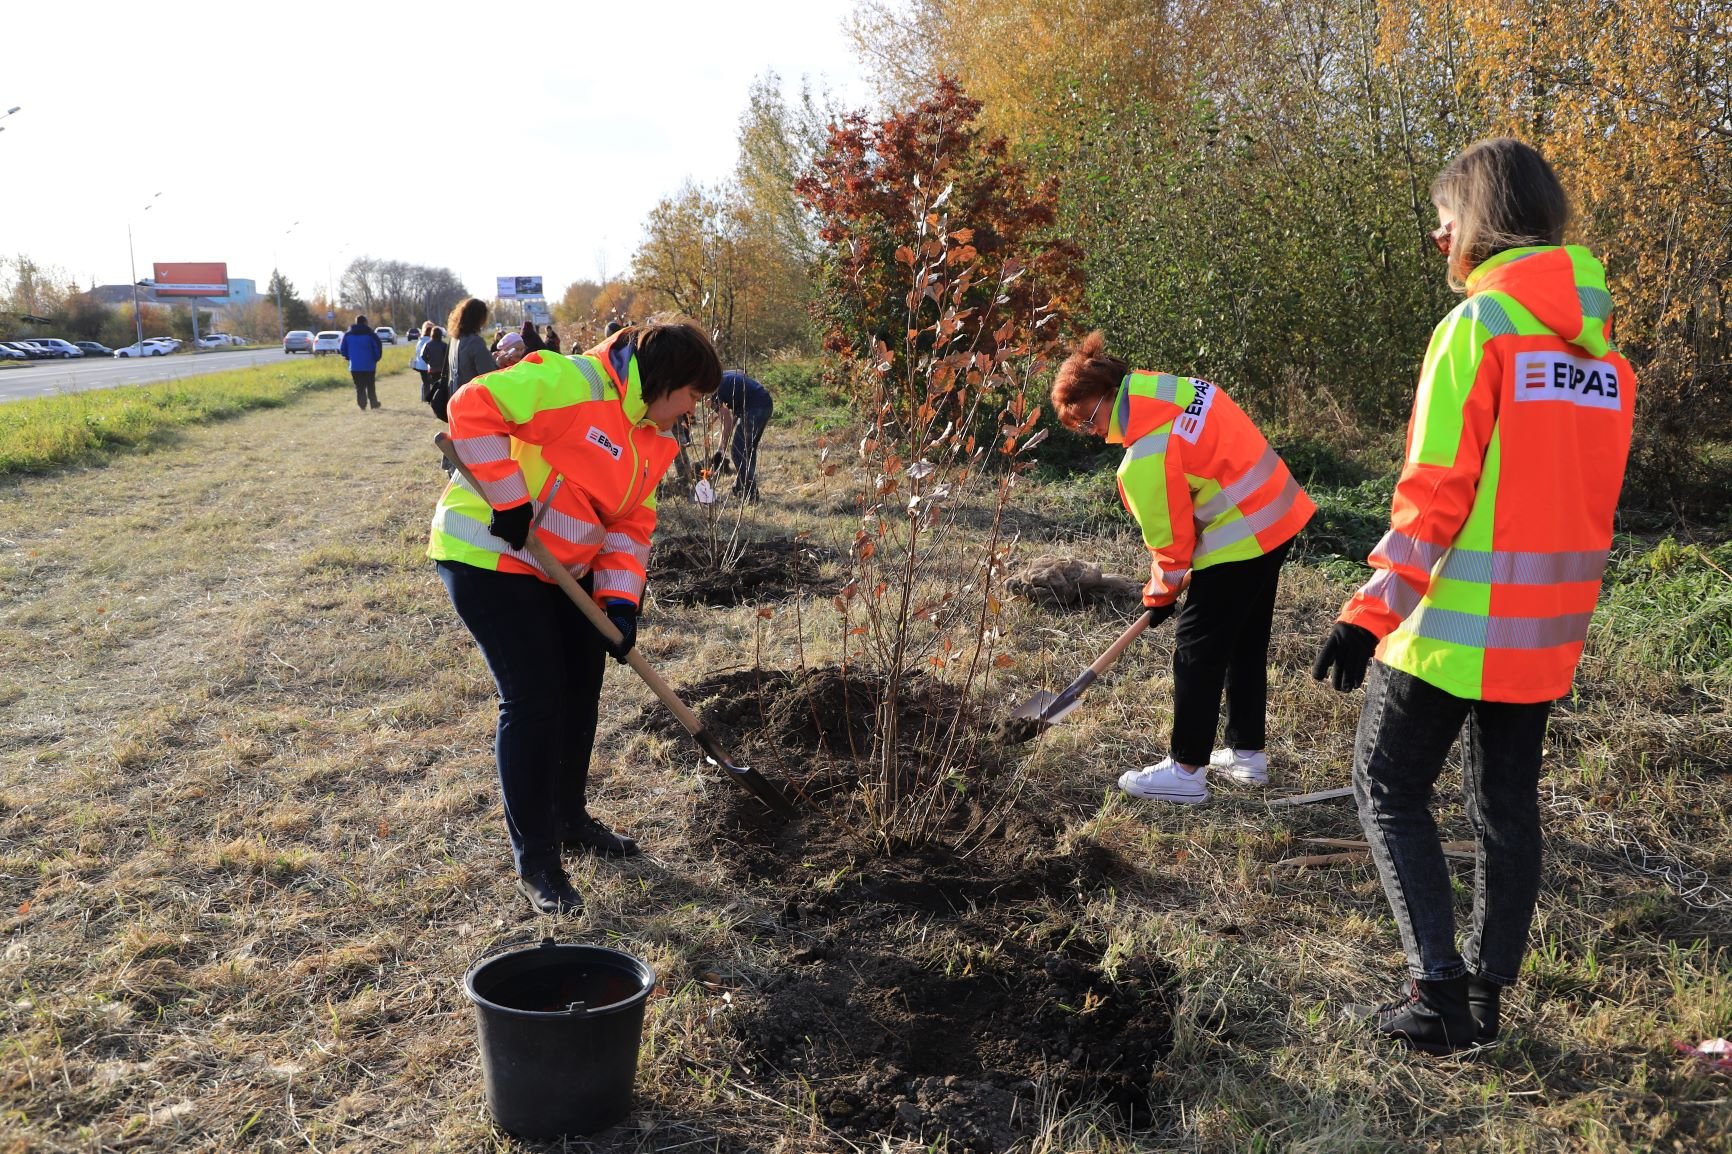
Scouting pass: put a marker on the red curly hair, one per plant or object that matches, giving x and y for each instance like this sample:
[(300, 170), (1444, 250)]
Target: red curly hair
[(1087, 375)]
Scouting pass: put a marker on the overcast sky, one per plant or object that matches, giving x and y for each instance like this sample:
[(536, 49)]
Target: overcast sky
[(494, 140)]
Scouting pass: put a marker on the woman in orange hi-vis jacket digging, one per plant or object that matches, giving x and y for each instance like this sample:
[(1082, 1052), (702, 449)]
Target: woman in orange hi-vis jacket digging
[(586, 436), (1485, 582), (1218, 510)]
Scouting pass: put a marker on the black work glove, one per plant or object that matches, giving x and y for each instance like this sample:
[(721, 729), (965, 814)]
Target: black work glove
[(1347, 649), (623, 614), (512, 525), (716, 460), (1158, 614)]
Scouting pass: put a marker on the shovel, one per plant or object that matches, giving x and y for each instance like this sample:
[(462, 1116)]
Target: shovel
[(1048, 709), (744, 776)]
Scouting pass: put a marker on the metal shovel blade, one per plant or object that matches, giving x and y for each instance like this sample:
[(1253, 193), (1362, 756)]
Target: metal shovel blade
[(1036, 707)]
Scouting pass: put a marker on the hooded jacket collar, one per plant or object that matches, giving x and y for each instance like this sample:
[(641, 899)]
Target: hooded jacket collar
[(1564, 287)]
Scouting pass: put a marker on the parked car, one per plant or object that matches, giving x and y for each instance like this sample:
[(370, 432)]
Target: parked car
[(58, 347), (329, 341), (386, 334), (8, 353), (297, 341), (212, 342), (144, 348), (172, 344), (27, 351), (93, 349), (228, 338)]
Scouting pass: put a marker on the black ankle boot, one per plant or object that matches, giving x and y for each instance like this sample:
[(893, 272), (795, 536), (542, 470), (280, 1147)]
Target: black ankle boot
[(550, 892), (1483, 1002), (586, 835), (1432, 1017)]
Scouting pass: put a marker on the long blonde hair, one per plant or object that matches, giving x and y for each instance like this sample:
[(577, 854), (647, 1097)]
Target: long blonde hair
[(1504, 195)]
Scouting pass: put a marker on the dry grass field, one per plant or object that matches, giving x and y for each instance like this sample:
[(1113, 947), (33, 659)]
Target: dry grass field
[(250, 841)]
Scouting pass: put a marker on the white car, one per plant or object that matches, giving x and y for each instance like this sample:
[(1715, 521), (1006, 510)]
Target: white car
[(144, 348), (212, 343), (328, 341), (172, 344), (57, 347), (386, 334)]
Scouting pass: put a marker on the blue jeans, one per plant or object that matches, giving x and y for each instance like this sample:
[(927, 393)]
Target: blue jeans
[(748, 431), (547, 662), (1406, 729)]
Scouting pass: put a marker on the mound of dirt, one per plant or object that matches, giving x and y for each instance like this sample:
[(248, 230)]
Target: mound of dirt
[(683, 571), (1070, 583)]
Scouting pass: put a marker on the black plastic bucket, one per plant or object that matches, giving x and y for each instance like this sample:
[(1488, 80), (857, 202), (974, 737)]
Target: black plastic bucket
[(559, 1027)]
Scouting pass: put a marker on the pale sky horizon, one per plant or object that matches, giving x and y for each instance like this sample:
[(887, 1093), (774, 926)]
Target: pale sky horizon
[(515, 145)]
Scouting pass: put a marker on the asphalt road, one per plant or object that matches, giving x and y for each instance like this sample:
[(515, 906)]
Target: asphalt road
[(42, 378)]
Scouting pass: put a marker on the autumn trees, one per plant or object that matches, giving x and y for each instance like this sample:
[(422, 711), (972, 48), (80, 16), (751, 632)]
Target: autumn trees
[(1248, 179)]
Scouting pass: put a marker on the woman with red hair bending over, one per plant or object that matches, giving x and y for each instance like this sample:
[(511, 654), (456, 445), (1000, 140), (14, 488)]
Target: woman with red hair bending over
[(1219, 511)]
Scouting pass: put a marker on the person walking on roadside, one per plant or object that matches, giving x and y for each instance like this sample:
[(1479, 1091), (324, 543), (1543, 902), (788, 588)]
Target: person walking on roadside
[(418, 362), (745, 407), (437, 355), (549, 338), (1219, 511), (362, 348), (1484, 585), (587, 438)]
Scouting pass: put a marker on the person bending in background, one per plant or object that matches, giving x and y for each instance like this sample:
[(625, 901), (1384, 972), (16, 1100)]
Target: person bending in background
[(1219, 510), (745, 407), (362, 348), (587, 437), (1485, 582)]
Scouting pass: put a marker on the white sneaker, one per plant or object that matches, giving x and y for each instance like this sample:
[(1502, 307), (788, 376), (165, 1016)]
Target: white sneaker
[(1247, 767), (1167, 782)]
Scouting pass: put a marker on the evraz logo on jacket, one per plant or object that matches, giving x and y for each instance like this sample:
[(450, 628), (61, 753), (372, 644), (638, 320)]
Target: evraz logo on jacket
[(1554, 376), (1188, 425), (602, 441)]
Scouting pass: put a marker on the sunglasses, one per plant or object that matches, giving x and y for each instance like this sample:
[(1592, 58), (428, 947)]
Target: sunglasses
[(1441, 238), (1088, 425)]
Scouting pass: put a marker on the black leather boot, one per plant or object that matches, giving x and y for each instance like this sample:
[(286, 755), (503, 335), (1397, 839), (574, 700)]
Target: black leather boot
[(1483, 999), (1432, 1017), (550, 892), (586, 835)]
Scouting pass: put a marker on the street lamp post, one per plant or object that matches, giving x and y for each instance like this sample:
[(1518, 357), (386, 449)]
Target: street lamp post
[(132, 267), (277, 276)]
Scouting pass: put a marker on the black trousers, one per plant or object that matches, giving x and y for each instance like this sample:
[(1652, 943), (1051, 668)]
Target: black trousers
[(547, 662), (365, 394), (1221, 641)]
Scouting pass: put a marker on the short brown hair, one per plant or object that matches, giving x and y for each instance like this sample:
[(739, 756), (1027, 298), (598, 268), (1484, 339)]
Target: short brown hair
[(672, 353), (1503, 195), (467, 317), (1087, 375)]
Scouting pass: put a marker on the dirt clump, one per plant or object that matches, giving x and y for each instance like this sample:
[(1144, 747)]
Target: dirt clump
[(683, 571)]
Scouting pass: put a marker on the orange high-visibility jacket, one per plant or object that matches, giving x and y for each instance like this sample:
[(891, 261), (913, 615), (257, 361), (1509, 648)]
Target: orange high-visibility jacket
[(1488, 576), (572, 432), (1199, 478)]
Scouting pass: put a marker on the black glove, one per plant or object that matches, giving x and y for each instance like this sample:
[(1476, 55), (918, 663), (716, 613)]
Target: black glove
[(716, 460), (1348, 648), (1158, 614), (623, 614), (512, 525)]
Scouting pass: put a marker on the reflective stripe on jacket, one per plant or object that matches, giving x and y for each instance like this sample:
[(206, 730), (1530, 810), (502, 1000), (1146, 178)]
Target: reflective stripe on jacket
[(1199, 478), (1487, 578), (578, 418)]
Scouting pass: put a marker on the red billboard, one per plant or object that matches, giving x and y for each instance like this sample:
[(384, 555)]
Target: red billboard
[(192, 280)]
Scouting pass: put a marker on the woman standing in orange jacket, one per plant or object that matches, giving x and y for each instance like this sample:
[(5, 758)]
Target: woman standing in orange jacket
[(1486, 580)]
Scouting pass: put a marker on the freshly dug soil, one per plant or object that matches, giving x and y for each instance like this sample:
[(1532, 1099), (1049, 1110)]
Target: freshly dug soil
[(925, 991), (681, 572)]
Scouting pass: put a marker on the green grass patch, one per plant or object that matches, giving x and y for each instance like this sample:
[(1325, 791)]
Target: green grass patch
[(801, 393), (1669, 607), (41, 434)]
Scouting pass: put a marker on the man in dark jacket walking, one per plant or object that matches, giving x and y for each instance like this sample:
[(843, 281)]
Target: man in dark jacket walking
[(745, 409), (361, 345)]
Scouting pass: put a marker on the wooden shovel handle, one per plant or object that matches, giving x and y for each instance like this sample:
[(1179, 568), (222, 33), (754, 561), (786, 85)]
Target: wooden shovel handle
[(1114, 651)]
